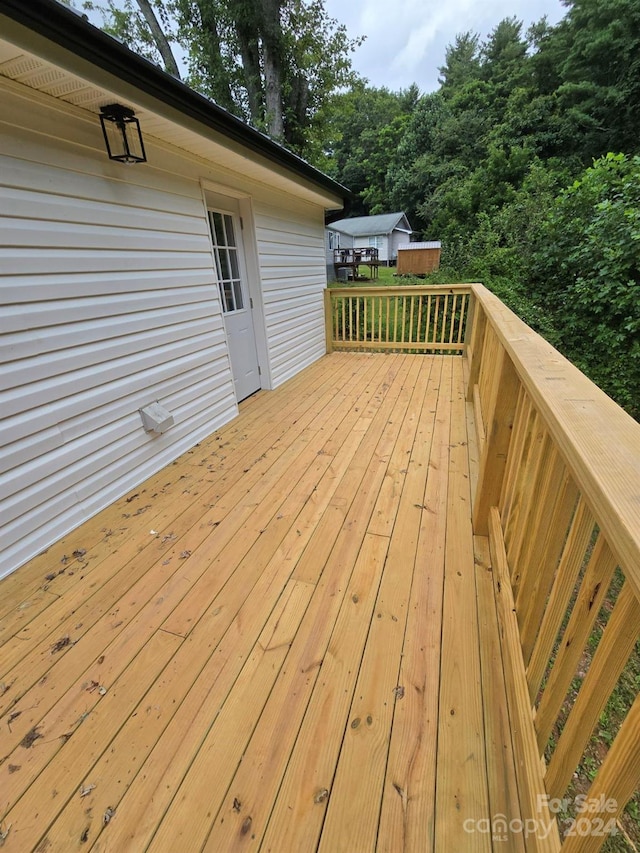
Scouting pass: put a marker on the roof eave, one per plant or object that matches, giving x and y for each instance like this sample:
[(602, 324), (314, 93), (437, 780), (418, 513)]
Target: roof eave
[(68, 30)]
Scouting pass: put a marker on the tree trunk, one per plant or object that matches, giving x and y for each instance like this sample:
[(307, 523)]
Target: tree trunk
[(217, 74), (159, 37), (297, 121), (250, 55), (272, 56)]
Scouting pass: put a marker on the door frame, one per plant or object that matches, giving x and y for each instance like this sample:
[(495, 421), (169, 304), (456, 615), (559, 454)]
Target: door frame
[(213, 195)]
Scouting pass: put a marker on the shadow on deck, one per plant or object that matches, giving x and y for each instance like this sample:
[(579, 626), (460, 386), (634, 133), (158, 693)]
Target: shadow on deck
[(283, 641)]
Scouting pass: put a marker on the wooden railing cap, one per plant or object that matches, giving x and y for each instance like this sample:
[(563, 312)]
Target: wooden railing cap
[(599, 441)]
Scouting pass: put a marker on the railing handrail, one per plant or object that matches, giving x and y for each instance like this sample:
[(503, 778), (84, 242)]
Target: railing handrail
[(364, 253), (400, 290), (408, 318), (599, 441)]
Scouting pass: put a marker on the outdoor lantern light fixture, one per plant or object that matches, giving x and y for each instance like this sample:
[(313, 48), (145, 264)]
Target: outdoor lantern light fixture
[(122, 134)]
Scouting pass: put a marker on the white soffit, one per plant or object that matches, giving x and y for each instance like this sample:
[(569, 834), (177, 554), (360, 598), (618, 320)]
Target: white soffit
[(157, 119)]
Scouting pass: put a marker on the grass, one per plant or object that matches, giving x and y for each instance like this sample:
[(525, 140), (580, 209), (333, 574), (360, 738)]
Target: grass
[(397, 318), (387, 277)]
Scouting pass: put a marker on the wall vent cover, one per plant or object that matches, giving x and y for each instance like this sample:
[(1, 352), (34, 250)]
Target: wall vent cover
[(155, 418)]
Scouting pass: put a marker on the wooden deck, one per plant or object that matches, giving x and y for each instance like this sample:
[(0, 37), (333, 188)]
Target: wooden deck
[(281, 642)]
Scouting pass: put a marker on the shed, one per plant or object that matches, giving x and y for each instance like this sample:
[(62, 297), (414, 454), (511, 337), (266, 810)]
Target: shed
[(385, 232), (188, 281), (419, 258)]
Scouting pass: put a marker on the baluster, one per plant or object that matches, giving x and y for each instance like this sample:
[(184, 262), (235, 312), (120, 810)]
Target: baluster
[(452, 316), (591, 594), (573, 553), (613, 652)]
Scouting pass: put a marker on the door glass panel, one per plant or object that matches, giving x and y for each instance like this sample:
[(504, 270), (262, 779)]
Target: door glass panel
[(217, 228), (237, 289), (233, 257), (226, 259), (231, 238), (227, 296), (225, 270)]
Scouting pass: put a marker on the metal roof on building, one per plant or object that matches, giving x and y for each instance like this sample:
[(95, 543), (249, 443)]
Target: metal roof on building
[(366, 226), (433, 244)]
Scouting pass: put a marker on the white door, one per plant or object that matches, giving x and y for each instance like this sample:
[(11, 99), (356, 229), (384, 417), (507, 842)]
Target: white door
[(236, 304)]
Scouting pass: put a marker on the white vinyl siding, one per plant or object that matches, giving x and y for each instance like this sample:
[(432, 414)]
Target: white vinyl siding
[(109, 301), (292, 261), (398, 238)]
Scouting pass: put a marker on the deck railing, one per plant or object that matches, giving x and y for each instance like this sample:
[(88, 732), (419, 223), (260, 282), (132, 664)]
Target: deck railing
[(558, 498), (558, 495), (400, 319), (364, 255)]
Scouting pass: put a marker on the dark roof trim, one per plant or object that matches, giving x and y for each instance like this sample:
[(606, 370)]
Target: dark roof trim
[(65, 27)]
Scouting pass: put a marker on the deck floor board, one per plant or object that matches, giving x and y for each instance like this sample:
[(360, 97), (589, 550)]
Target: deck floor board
[(280, 642)]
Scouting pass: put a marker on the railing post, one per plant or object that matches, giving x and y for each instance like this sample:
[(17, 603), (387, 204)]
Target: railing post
[(499, 420), (328, 321), (475, 339)]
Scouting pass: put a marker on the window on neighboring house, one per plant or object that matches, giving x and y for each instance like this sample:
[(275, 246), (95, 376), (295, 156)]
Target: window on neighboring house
[(376, 242), (334, 240)]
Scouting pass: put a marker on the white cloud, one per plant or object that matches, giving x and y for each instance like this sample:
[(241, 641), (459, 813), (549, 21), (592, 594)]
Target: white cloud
[(406, 39)]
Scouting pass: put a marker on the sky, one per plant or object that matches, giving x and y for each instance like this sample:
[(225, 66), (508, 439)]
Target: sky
[(406, 39)]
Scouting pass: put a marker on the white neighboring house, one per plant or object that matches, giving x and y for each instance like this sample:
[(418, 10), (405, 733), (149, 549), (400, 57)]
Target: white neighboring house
[(192, 279), (385, 232)]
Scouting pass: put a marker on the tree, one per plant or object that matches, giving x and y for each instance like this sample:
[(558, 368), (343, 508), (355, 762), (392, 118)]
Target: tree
[(137, 24), (272, 62), (588, 272), (162, 42), (462, 62), (414, 170), (591, 61), (364, 125)]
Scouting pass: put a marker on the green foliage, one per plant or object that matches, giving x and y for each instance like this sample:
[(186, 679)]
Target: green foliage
[(274, 63), (125, 21), (462, 62), (364, 125), (588, 269), (601, 71)]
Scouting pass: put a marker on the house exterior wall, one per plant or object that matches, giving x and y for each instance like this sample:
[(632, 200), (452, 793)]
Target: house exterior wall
[(109, 302), (398, 238), (290, 244)]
